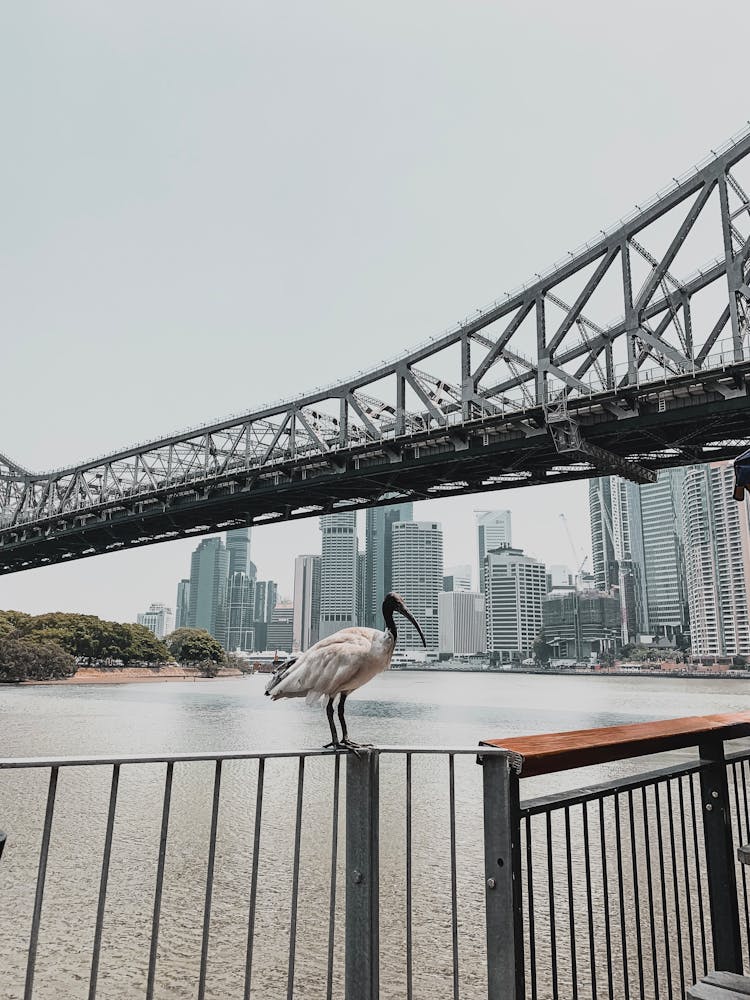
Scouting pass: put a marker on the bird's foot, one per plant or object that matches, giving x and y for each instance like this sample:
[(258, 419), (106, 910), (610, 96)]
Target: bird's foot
[(354, 747), (333, 745)]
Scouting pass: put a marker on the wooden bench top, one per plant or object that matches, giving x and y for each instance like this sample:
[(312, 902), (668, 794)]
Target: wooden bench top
[(550, 752)]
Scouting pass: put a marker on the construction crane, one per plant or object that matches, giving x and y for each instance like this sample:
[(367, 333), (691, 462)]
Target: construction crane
[(564, 520)]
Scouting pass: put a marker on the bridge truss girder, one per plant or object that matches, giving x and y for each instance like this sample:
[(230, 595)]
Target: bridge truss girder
[(496, 376)]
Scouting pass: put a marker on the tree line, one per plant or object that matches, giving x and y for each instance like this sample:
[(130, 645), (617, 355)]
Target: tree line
[(54, 645)]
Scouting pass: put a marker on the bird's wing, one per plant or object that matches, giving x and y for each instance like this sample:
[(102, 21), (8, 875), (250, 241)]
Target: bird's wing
[(327, 667), (280, 673)]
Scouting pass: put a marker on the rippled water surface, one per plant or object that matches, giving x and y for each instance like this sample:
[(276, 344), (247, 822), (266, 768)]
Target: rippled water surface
[(425, 709)]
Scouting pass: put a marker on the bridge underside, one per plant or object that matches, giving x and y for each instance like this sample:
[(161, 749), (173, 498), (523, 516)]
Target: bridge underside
[(679, 423)]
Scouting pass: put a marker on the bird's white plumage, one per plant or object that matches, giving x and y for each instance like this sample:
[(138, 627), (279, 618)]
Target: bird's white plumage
[(338, 664)]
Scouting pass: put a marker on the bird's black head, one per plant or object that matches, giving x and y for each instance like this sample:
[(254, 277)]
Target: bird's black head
[(394, 602)]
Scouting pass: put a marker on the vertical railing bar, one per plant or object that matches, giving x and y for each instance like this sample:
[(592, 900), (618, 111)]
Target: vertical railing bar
[(605, 887), (698, 878), (295, 880), (621, 899), (747, 834), (104, 879), (334, 864), (254, 879), (650, 887), (40, 879), (636, 898), (663, 888), (209, 881), (741, 840), (688, 894), (530, 896), (159, 882), (454, 887), (676, 888), (551, 891), (571, 906), (409, 950), (589, 901)]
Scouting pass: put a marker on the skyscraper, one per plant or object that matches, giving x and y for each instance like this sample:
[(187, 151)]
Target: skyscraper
[(379, 523), (338, 572), (209, 567), (666, 587), (182, 604), (716, 539), (361, 592), (417, 548), (493, 530), (515, 586), (462, 622), (158, 619), (306, 602), (241, 612), (238, 547), (281, 627)]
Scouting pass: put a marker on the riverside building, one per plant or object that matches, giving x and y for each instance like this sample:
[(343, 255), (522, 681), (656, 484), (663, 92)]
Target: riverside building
[(716, 539), (209, 568), (378, 570), (338, 572), (515, 586), (418, 578), (182, 605), (457, 577), (493, 530), (306, 602), (158, 619), (462, 623)]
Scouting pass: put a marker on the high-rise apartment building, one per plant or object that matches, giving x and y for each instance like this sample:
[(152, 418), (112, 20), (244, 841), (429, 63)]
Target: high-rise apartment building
[(515, 586), (158, 619), (578, 623), (209, 568), (716, 540), (240, 612), (417, 549), (281, 627), (238, 547), (338, 572), (666, 586), (457, 577), (182, 605), (362, 616), (306, 603), (462, 622), (379, 523), (493, 530)]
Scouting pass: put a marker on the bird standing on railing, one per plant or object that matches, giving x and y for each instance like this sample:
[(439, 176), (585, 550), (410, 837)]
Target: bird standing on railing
[(339, 664)]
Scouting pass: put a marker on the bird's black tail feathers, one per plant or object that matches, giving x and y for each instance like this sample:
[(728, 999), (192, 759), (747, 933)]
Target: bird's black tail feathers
[(280, 673)]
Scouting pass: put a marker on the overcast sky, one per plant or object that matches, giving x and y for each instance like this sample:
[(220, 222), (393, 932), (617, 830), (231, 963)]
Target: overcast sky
[(207, 205)]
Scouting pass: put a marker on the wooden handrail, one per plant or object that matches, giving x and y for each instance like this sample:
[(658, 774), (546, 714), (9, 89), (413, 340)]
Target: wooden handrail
[(550, 752)]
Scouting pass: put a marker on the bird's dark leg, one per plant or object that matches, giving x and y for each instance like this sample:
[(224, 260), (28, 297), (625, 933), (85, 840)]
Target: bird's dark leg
[(345, 741), (334, 744)]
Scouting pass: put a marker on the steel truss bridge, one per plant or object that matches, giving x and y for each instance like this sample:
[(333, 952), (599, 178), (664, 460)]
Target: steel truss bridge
[(542, 386)]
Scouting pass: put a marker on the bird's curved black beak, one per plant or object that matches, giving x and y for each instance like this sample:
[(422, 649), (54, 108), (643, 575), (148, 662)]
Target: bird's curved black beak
[(402, 609)]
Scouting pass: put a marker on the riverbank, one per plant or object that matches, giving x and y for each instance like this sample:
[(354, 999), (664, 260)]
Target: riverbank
[(470, 668), (136, 675)]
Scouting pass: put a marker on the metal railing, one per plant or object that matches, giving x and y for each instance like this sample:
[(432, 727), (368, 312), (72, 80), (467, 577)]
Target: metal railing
[(414, 873)]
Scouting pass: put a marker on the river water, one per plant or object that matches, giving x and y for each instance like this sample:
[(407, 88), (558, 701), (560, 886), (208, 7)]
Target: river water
[(415, 709)]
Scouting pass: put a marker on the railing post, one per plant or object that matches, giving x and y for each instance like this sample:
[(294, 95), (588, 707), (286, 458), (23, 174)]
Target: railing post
[(717, 831), (362, 876), (502, 873)]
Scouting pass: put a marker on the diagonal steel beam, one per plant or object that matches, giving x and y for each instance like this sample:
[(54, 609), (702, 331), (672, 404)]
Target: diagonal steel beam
[(502, 340), (586, 293)]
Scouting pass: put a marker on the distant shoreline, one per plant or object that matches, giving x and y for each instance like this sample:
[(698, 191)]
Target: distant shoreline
[(132, 675), (692, 675)]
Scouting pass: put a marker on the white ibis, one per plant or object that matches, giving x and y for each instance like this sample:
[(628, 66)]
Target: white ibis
[(339, 664)]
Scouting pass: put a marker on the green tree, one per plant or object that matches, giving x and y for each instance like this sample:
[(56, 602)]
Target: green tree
[(194, 645), (87, 637), (24, 660)]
